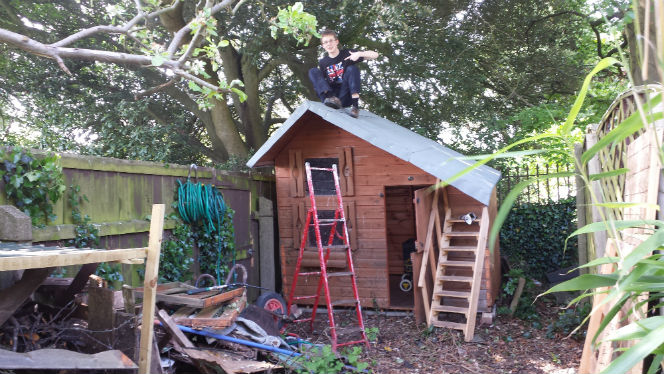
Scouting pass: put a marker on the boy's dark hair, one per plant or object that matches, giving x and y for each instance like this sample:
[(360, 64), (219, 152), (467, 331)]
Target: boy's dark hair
[(326, 32)]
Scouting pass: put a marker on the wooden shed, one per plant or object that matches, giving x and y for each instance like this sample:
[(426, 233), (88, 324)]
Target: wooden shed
[(382, 167)]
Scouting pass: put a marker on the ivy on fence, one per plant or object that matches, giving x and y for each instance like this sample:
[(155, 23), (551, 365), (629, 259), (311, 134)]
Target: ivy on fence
[(533, 237)]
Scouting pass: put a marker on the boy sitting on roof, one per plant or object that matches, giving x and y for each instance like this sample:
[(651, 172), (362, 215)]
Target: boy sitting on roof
[(337, 79)]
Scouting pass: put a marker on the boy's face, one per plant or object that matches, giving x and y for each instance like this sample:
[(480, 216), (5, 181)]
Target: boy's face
[(329, 43)]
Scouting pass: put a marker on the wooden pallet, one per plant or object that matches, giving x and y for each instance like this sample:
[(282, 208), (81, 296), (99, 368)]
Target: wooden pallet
[(175, 293)]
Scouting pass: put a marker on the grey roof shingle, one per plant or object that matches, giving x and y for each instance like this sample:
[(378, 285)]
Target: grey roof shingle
[(422, 152)]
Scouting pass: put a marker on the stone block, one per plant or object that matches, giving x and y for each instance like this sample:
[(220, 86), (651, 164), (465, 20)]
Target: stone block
[(15, 225)]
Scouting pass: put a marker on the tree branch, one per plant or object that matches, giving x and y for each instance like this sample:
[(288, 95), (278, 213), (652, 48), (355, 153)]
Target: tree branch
[(113, 29), (152, 90)]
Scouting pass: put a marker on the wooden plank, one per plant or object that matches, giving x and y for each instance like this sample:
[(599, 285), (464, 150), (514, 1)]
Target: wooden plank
[(200, 300), (19, 260), (13, 297), (230, 363), (296, 168), (469, 332), (418, 307), (100, 315), (62, 359), (181, 339), (77, 285), (149, 287)]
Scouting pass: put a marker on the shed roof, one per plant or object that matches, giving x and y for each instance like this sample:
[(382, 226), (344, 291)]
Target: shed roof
[(426, 154)]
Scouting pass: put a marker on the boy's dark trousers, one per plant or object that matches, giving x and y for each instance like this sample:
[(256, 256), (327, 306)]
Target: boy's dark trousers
[(350, 84)]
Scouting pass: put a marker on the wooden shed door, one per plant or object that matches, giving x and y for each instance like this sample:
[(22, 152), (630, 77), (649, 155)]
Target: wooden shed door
[(423, 200)]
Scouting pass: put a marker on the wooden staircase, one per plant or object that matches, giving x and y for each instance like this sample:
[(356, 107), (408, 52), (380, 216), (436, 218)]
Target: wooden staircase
[(458, 274)]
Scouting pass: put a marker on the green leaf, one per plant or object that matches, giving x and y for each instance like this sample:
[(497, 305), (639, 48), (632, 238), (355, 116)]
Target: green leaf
[(608, 174), (194, 87), (627, 127), (637, 329), (585, 282), (571, 117), (617, 225), (224, 43), (635, 354), (625, 204), (600, 261), (158, 60), (241, 95)]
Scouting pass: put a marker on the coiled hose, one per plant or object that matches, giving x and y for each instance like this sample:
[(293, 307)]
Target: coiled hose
[(203, 203)]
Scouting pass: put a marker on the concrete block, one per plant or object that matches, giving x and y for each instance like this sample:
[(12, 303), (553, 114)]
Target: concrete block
[(15, 225)]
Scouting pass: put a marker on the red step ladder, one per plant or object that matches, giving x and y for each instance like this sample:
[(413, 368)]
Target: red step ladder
[(323, 256)]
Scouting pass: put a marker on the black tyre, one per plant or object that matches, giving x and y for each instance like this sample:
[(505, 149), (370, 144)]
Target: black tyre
[(274, 303)]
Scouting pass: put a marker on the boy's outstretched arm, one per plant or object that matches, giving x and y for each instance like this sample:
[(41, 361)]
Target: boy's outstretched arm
[(367, 55)]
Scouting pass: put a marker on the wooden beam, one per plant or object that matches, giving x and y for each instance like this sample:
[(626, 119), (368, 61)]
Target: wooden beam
[(77, 284), (13, 297), (150, 287), (29, 258), (180, 338)]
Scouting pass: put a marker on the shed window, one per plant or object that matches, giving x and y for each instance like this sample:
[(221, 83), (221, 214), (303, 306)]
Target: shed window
[(323, 180), (325, 230)]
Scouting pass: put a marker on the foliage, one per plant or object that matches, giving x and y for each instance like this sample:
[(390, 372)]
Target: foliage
[(473, 75), (33, 184), (214, 259), (294, 20), (525, 309), (109, 272), (177, 255), (533, 237), (570, 321), (372, 333), (322, 360), (87, 234)]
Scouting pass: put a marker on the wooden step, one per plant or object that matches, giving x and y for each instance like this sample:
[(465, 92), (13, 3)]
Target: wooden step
[(457, 263), (459, 248), (449, 309), (453, 220), (454, 278), (460, 294), (462, 234), (348, 330), (449, 325)]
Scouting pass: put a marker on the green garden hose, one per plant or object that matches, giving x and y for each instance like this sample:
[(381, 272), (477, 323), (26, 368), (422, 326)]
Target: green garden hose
[(203, 203)]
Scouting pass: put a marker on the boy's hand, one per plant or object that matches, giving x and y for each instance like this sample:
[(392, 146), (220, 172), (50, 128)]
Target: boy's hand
[(354, 56)]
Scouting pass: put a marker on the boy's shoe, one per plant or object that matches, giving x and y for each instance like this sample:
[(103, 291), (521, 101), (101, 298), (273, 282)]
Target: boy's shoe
[(354, 112), (333, 102)]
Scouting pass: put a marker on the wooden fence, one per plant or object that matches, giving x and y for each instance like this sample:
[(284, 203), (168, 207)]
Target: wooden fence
[(121, 194)]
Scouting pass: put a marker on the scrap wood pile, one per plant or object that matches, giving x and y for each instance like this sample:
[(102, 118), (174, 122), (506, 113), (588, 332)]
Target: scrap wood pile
[(195, 332)]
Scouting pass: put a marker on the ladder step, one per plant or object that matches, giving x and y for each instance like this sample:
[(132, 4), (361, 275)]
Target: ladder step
[(457, 263), (459, 248), (304, 297), (348, 330), (332, 247), (351, 343), (344, 302), (449, 309), (310, 273), (323, 169), (449, 325), (460, 294), (461, 220), (331, 220), (461, 233), (340, 274), (303, 320), (455, 278)]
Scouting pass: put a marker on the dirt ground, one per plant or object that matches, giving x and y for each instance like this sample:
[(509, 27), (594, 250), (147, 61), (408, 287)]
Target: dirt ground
[(509, 345)]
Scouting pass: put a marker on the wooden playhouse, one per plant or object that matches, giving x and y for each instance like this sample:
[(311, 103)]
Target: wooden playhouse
[(386, 173)]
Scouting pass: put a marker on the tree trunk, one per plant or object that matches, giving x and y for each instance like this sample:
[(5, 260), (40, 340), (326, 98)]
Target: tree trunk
[(643, 48)]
